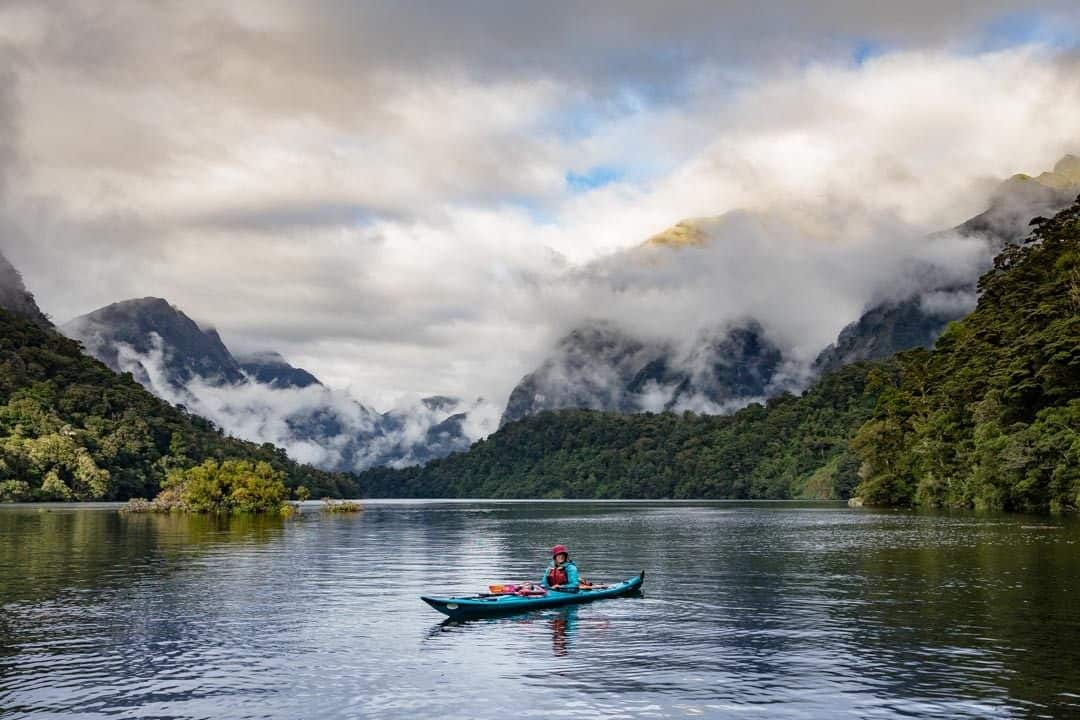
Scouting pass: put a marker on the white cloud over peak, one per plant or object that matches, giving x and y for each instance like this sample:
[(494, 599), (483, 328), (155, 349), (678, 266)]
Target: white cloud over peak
[(386, 196)]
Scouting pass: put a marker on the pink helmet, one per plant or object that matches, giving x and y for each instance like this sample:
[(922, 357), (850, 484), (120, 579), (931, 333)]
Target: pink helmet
[(559, 549)]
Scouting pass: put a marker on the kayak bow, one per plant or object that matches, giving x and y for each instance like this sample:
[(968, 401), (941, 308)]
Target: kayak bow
[(484, 605)]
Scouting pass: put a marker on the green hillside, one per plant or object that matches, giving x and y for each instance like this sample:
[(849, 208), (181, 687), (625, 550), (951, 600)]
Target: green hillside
[(791, 447), (71, 429), (988, 418)]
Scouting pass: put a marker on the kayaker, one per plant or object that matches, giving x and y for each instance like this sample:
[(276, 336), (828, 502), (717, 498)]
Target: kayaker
[(562, 574)]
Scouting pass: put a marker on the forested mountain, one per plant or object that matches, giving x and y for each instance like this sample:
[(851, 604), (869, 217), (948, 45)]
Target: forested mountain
[(600, 367), (916, 321), (72, 429), (894, 326), (1023, 197), (989, 418), (605, 367), (789, 447), (261, 397)]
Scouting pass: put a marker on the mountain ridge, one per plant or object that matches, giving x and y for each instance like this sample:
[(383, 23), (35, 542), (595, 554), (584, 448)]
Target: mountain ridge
[(260, 396), (987, 418), (270, 368), (73, 429), (601, 376), (152, 325), (16, 298)]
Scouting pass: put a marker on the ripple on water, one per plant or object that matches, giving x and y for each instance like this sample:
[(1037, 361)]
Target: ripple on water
[(749, 610)]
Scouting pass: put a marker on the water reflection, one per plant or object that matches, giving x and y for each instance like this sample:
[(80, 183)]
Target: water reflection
[(778, 610), (563, 626), (50, 550), (561, 623)]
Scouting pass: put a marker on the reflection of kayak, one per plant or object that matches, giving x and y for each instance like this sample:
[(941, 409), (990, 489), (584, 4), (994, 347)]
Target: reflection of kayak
[(481, 605)]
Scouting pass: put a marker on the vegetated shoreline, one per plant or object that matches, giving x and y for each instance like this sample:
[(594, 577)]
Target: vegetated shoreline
[(116, 504), (985, 420), (231, 487), (72, 429)]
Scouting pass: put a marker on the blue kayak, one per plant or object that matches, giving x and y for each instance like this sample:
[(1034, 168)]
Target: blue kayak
[(483, 605)]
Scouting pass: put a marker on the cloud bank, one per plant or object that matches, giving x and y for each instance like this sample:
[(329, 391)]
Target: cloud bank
[(315, 424), (417, 199)]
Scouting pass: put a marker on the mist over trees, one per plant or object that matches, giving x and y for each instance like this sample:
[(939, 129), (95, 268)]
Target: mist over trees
[(72, 429), (988, 419), (790, 447)]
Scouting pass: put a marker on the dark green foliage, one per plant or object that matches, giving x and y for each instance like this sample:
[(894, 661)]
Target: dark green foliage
[(793, 447), (71, 429), (232, 487), (990, 418)]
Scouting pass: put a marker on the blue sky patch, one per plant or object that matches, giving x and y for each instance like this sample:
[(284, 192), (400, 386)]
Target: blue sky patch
[(592, 178), (1028, 28), (867, 49)]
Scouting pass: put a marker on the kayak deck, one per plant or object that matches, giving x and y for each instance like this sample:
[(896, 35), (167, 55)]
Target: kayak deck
[(480, 606)]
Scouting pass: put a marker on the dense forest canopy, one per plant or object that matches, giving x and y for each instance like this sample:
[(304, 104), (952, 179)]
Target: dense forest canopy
[(790, 447), (71, 429), (988, 418)]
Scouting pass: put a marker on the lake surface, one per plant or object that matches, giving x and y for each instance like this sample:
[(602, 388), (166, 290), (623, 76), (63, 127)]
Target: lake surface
[(755, 610)]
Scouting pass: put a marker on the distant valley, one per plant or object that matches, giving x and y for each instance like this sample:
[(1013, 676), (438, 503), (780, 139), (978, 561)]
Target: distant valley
[(262, 398), (600, 365)]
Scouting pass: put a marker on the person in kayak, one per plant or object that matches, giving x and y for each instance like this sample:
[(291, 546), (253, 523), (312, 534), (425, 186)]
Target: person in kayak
[(562, 574)]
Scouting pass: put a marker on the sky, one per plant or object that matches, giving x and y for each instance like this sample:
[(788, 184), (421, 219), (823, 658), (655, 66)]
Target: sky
[(416, 198)]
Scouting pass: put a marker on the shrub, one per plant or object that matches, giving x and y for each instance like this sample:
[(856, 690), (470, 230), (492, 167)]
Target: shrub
[(230, 487), (341, 506)]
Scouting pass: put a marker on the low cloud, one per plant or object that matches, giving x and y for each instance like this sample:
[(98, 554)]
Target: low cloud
[(315, 424), (948, 304), (367, 191)]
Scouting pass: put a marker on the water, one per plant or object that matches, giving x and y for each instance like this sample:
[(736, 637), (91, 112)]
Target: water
[(766, 610)]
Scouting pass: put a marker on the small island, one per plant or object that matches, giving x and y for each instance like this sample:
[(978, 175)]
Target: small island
[(341, 506), (228, 487), (231, 487)]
